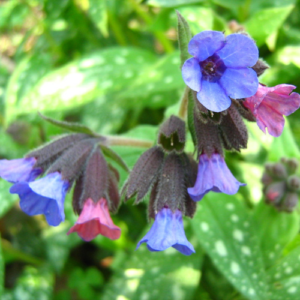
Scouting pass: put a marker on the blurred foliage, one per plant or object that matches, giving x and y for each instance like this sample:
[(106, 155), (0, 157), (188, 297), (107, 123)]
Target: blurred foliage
[(114, 66)]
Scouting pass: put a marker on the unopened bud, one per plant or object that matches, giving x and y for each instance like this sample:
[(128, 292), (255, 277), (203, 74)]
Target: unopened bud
[(269, 167), (279, 171), (294, 183), (275, 192), (172, 134), (260, 67), (290, 202), (293, 165), (266, 179)]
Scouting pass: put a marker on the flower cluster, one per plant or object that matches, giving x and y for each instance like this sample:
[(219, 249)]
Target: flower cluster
[(68, 159), (281, 184), (222, 89), (167, 171)]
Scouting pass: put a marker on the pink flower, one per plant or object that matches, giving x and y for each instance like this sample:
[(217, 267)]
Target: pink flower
[(269, 104), (95, 219)]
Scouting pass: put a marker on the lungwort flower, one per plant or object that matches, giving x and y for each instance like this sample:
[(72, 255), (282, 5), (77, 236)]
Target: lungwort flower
[(43, 196), (95, 219), (269, 104), (220, 68), (167, 231), (21, 169), (213, 175)]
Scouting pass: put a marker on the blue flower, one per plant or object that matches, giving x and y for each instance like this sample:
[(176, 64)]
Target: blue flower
[(43, 196), (21, 169), (220, 69), (167, 231), (213, 175)]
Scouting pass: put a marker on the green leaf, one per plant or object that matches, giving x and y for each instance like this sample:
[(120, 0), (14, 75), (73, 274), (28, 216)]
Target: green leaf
[(184, 37), (276, 230), (165, 75), (271, 19), (198, 18), (7, 200), (27, 74), (284, 277), (69, 126), (279, 146), (173, 3), (156, 275), (97, 12), (81, 81), (33, 284), (227, 232), (1, 272)]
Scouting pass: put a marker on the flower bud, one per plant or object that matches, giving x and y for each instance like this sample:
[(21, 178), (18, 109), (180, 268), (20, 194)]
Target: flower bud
[(279, 171), (275, 192), (292, 165), (290, 202), (294, 183), (172, 134)]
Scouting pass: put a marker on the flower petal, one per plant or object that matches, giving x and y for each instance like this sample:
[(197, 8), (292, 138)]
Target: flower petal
[(239, 83), (267, 117), (239, 51), (213, 96), (205, 44), (43, 196), (167, 231), (94, 220), (281, 99), (191, 74), (213, 175), (21, 169)]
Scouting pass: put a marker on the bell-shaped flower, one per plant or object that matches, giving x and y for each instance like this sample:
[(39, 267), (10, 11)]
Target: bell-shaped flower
[(95, 219), (269, 104), (43, 196), (21, 169), (220, 68), (213, 175), (167, 231)]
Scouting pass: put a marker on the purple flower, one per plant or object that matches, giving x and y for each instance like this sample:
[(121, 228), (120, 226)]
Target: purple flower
[(213, 175), (21, 169), (269, 104), (220, 69), (167, 231), (43, 196)]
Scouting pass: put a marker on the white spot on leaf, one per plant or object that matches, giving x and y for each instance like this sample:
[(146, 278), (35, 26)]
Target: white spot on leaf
[(235, 268), (220, 248)]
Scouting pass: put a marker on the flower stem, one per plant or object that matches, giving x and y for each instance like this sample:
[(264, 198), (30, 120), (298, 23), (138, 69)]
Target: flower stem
[(184, 104), (122, 141)]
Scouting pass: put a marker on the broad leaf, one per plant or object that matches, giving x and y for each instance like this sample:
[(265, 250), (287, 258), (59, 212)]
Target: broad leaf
[(271, 19), (284, 277), (227, 232), (165, 75), (276, 230), (81, 81)]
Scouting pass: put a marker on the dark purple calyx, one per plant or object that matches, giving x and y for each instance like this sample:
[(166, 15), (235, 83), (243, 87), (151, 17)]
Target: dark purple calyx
[(212, 68)]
